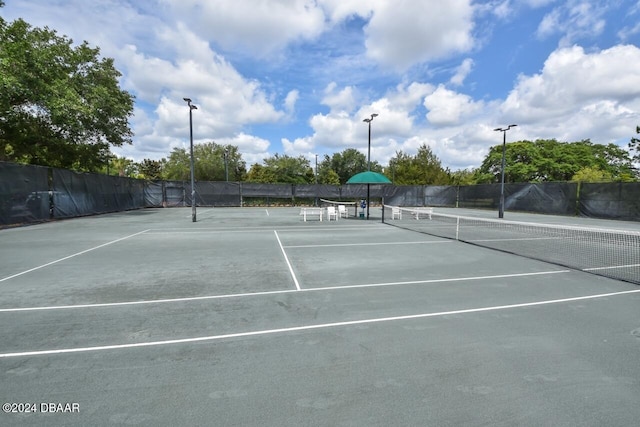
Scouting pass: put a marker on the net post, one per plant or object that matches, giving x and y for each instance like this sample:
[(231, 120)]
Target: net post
[(457, 227)]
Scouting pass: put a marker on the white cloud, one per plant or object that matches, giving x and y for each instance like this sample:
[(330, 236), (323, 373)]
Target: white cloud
[(168, 49), (260, 26), (408, 97), (447, 108), (226, 101), (338, 10), (253, 149), (300, 146), (290, 100), (572, 78), (574, 20), (463, 70), (628, 32), (538, 3), (339, 129), (342, 100), (404, 32), (579, 96)]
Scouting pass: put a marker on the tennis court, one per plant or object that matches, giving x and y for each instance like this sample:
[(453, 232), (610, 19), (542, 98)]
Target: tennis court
[(251, 316)]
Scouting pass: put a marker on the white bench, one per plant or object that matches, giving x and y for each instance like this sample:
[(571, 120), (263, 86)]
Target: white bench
[(396, 212), (417, 211), (311, 212)]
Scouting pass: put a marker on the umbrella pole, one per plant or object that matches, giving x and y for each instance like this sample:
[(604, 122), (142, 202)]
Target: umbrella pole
[(368, 199)]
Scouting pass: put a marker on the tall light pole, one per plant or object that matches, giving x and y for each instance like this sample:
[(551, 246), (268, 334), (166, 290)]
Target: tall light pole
[(193, 183), (369, 157), (316, 174), (226, 164), (504, 150)]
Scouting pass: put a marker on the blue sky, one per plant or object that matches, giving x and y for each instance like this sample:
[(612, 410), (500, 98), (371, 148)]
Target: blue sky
[(297, 77)]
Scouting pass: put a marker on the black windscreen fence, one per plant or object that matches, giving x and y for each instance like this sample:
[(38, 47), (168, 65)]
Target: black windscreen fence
[(317, 190), (611, 200), (78, 194), (555, 198), (482, 196), (31, 194), (440, 195), (404, 195), (24, 194)]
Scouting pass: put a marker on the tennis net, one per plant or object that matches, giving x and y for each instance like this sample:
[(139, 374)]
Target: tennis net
[(610, 253)]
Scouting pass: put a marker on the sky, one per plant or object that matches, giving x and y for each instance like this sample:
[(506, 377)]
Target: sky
[(298, 77)]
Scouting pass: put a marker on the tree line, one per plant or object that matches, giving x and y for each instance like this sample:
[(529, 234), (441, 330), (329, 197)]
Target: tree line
[(61, 106), (526, 161)]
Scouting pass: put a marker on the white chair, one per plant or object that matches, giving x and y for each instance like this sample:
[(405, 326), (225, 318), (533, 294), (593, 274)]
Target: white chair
[(331, 212), (396, 213), (342, 211)]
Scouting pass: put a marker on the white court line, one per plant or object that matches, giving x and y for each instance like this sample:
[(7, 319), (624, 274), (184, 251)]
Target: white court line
[(293, 275), (309, 327), (71, 256), (284, 291), (253, 229), (370, 244), (267, 211), (612, 267), (520, 239)]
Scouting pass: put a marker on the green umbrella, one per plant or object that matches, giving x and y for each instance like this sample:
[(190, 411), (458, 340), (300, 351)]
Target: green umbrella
[(368, 177)]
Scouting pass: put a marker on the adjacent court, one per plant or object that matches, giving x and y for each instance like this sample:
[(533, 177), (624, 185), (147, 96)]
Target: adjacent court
[(253, 316)]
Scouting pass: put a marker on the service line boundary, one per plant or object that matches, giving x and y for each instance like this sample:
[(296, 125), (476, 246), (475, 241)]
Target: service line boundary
[(311, 327), (286, 258), (282, 291), (72, 256)]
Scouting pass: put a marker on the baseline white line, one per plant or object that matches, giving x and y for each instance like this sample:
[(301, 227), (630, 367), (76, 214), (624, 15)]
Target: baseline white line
[(284, 291), (369, 244), (71, 256), (284, 253), (310, 327)]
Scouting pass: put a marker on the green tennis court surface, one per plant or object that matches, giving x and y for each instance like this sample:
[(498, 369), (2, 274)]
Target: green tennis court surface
[(253, 317)]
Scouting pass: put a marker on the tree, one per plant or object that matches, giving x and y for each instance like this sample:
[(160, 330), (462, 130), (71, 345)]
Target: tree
[(150, 169), (326, 175), (178, 166), (591, 175), (282, 169), (550, 160), (121, 166), (634, 146), (345, 164), (214, 161), (209, 163), (464, 177), (59, 105), (422, 169)]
